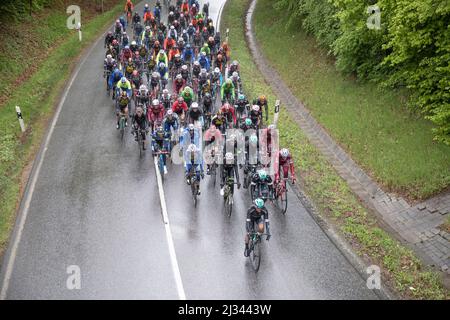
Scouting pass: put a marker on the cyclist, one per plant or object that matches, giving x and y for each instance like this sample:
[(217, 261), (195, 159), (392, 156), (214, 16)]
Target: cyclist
[(188, 95), (190, 135), (134, 47), (261, 181), (178, 84), (205, 9), (139, 121), (180, 107), (163, 73), (196, 69), (143, 96), (188, 55), (161, 57), (123, 85), (122, 107), (129, 7), (138, 30), (118, 30), (185, 74), (230, 115), (135, 80), (251, 153), (125, 39), (109, 65), (126, 54), (213, 142), (219, 63), (195, 114), (286, 163), (170, 122), (258, 215), (108, 39), (193, 159), (154, 83), (114, 78), (216, 79), (146, 37), (166, 99), (156, 112), (229, 170), (204, 61), (160, 142), (219, 121), (207, 103), (242, 105), (255, 115), (233, 68), (227, 91), (261, 101), (136, 19), (237, 83)]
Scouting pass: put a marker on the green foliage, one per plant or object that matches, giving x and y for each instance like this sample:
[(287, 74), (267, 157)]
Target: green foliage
[(19, 9), (412, 48), (317, 17)]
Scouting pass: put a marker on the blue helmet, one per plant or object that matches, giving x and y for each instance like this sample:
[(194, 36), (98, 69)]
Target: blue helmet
[(259, 203)]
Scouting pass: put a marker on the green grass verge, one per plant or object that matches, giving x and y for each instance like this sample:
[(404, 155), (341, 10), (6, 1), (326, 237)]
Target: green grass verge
[(330, 193), (375, 127), (37, 98)]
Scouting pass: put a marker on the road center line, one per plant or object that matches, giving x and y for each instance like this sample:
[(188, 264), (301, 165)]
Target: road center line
[(172, 253)]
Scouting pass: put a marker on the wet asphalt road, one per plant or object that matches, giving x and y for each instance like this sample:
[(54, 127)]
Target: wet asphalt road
[(96, 205)]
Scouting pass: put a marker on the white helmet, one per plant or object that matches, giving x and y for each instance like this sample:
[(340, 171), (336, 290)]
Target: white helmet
[(143, 87), (155, 102), (235, 74), (133, 43), (109, 57), (179, 77), (255, 107), (284, 153), (165, 91), (184, 67), (169, 112), (194, 105), (216, 70), (192, 148)]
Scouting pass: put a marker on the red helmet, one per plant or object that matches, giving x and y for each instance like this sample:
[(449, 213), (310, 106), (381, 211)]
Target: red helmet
[(226, 106)]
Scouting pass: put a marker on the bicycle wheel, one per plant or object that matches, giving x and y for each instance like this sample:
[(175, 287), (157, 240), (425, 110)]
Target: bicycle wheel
[(284, 200), (161, 166), (194, 194), (140, 144), (255, 255), (122, 127), (230, 204)]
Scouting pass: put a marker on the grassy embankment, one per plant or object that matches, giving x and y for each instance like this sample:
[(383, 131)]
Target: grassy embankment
[(36, 58), (381, 134), (401, 269)]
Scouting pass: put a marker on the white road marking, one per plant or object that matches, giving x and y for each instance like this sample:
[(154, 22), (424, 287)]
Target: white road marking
[(173, 256), (30, 191)]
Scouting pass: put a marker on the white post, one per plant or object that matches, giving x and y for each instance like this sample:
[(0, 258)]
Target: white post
[(19, 116), (276, 113), (79, 30)]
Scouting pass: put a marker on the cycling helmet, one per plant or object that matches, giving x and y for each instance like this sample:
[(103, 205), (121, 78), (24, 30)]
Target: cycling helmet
[(155, 102), (241, 96), (184, 67), (203, 54), (219, 57), (127, 47), (139, 110), (109, 33), (162, 65), (143, 88), (187, 88), (262, 174), (216, 70), (271, 127), (196, 63), (259, 203), (179, 77), (155, 74), (162, 51), (124, 93), (169, 113), (123, 80), (248, 122), (194, 105), (235, 63), (192, 148), (147, 28), (226, 106), (284, 153), (255, 107), (235, 74), (109, 57), (133, 43), (135, 72), (180, 99), (191, 127), (165, 91), (229, 81)]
